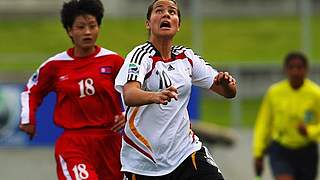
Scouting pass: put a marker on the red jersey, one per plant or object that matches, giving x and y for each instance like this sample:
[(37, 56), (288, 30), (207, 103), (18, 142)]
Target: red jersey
[(84, 87)]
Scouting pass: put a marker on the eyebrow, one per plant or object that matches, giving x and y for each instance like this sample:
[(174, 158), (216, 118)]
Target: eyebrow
[(83, 22), (172, 7)]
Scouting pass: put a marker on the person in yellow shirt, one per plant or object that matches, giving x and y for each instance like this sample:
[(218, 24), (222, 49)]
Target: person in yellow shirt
[(288, 124)]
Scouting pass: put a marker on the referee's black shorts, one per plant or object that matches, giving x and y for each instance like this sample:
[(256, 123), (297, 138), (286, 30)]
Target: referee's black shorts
[(300, 163), (199, 165)]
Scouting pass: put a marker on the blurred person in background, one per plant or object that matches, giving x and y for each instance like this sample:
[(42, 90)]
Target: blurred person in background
[(155, 81), (288, 124), (87, 107)]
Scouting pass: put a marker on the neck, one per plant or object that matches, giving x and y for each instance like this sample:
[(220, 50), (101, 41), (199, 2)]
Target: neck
[(163, 46), (83, 52)]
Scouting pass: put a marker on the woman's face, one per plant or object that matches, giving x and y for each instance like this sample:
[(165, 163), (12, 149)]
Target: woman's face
[(84, 31), (164, 20)]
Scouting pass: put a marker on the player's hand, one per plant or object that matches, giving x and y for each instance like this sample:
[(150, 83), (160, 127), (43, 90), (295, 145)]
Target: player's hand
[(165, 96), (258, 166), (302, 129), (29, 129), (224, 79), (119, 123)]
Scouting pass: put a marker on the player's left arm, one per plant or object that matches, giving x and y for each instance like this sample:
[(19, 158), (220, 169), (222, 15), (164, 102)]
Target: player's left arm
[(119, 119), (312, 130), (119, 122), (205, 76), (38, 86)]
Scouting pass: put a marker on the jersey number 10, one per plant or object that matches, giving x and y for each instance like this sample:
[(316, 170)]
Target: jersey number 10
[(164, 80)]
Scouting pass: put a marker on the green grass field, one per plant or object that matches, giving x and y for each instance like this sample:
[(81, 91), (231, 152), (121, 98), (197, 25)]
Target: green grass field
[(219, 111), (25, 44)]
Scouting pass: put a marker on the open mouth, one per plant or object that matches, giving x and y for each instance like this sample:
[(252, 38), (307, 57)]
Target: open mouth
[(87, 39), (165, 24)]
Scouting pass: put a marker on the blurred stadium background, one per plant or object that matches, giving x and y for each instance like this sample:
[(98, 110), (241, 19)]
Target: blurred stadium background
[(249, 38)]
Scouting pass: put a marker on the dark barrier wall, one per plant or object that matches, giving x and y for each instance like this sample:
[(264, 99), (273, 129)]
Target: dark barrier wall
[(10, 109), (9, 115), (47, 132)]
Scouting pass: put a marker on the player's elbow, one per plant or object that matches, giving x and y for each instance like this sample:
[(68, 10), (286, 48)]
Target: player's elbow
[(131, 93), (131, 97), (128, 101)]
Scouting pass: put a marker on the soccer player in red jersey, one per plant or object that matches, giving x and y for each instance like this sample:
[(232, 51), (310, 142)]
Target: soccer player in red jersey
[(87, 107)]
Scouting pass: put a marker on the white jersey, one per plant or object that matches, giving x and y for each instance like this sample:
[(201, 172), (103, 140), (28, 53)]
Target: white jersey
[(158, 138)]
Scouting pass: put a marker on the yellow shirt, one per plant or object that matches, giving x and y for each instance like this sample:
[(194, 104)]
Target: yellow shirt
[(282, 110)]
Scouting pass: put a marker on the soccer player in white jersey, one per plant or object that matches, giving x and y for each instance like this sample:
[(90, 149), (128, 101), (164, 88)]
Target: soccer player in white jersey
[(155, 82)]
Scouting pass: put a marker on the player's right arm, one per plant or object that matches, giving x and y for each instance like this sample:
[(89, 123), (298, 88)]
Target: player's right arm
[(38, 86), (135, 96), (262, 132), (131, 77)]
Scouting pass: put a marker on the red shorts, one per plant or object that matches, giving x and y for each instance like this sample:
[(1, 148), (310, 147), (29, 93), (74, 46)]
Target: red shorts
[(91, 154)]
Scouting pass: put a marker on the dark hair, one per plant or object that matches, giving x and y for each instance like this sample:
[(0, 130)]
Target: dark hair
[(150, 8), (70, 10), (295, 55)]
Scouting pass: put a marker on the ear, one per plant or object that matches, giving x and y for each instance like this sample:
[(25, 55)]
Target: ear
[(147, 25), (69, 32)]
